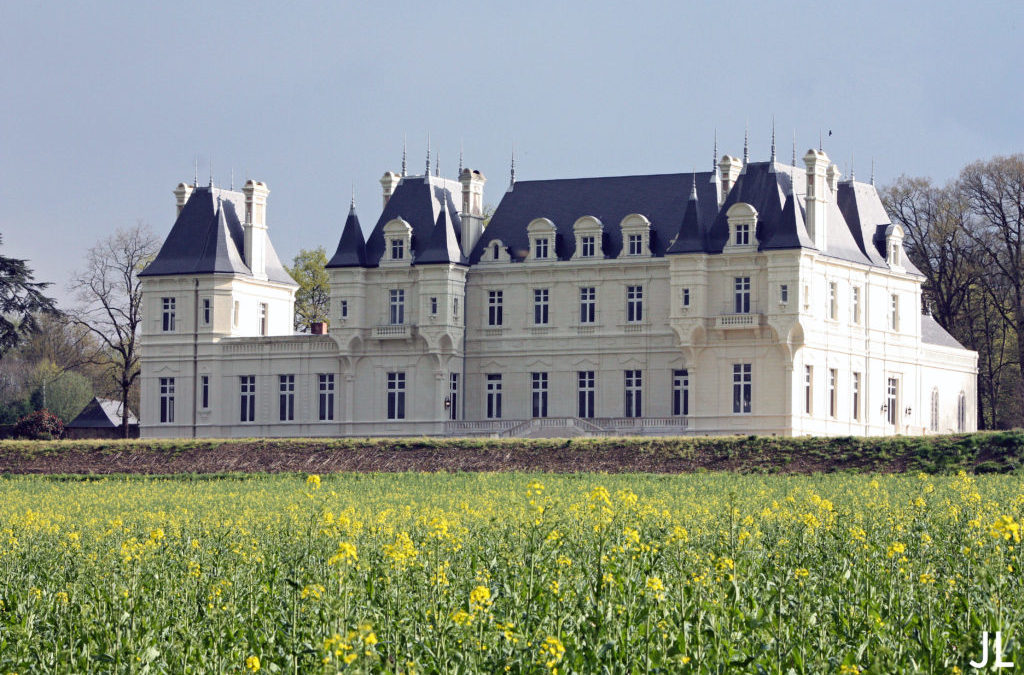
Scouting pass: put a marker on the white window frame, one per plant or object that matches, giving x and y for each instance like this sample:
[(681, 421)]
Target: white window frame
[(166, 400), (635, 242), (588, 246), (808, 390), (855, 390), (588, 304), (264, 321), (325, 398), (934, 421), (493, 401), (541, 306), (204, 392), (495, 308), (635, 304), (833, 301), (207, 311), (742, 388), (168, 314), (247, 398), (539, 394), (397, 246), (396, 306), (833, 393), (633, 388), (741, 295), (586, 388), (396, 399), (286, 398), (680, 392)]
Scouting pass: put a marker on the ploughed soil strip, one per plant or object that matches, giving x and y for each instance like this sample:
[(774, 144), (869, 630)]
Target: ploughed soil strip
[(995, 452)]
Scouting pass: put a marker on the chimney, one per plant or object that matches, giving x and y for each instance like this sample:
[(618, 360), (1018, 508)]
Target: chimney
[(833, 177), (255, 227), (730, 168), (817, 197), (181, 194), (472, 215), (318, 328), (389, 181)]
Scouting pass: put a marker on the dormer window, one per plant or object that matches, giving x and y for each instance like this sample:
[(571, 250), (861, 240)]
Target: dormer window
[(742, 219), (636, 235), (894, 254), (894, 246), (587, 232), (542, 239), (495, 251), (540, 248), (398, 238)]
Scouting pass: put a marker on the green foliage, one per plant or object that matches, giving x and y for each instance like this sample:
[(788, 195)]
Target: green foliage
[(522, 573), (64, 394), (312, 300), (39, 425), (21, 302)]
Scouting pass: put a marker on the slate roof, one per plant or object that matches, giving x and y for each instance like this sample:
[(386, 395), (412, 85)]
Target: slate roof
[(351, 251), (101, 413), (418, 202), (934, 334), (443, 246), (207, 238)]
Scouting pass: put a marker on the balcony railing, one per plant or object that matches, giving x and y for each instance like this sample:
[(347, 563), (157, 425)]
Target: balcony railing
[(727, 321), (388, 331)]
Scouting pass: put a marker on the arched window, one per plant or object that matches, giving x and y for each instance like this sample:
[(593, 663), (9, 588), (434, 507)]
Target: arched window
[(935, 410), (961, 413)]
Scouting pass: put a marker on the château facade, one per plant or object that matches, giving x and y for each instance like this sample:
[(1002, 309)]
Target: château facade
[(757, 298)]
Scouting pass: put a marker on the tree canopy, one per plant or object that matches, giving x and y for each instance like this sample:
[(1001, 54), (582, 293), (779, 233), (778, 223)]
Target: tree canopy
[(21, 302), (312, 300)]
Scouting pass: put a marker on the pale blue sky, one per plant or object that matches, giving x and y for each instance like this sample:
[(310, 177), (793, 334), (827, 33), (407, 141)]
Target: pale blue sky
[(105, 105)]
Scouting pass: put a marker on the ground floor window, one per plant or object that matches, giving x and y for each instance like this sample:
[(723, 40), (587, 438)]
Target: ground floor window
[(961, 412), (325, 384), (934, 426), (286, 396), (680, 392), (204, 387), (855, 392), (585, 393), (892, 388), (166, 400), (742, 387), (453, 396), (539, 387), (396, 396), (634, 393), (247, 398), (833, 394), (493, 396)]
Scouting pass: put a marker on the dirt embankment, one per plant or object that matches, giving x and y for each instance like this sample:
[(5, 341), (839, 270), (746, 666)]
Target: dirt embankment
[(993, 452)]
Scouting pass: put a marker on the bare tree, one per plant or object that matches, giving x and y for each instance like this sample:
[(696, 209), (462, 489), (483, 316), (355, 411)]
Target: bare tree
[(110, 299)]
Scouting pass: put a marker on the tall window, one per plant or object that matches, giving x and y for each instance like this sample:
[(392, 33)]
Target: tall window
[(934, 426), (686, 297), (743, 234), (833, 395), (207, 311), (894, 254), (166, 400), (286, 397), (856, 304), (343, 308), (168, 315), (961, 412), (680, 392), (634, 304), (455, 308), (784, 293), (833, 301), (453, 396), (433, 306), (585, 393), (397, 249), (494, 308), (855, 391), (495, 252), (742, 387), (540, 248), (247, 398), (204, 391), (539, 387), (325, 383), (493, 396), (263, 318), (588, 304), (396, 396), (587, 243), (894, 312), (235, 313), (397, 306), (808, 389), (741, 289), (540, 306), (892, 389), (636, 243), (634, 393)]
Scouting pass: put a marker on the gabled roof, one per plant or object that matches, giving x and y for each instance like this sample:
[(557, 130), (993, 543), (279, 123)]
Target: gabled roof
[(417, 201), (934, 334), (351, 250), (208, 238), (101, 413), (662, 199), (443, 246)]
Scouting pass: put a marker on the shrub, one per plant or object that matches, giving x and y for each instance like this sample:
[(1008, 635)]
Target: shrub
[(40, 425)]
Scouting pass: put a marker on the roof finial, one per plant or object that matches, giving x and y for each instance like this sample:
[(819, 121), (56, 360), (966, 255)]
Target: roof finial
[(211, 172), (714, 158), (746, 146), (794, 147), (512, 168), (872, 172), (851, 168), (693, 186), (232, 177), (352, 205), (771, 163), (821, 146), (426, 173), (195, 171), (437, 162), (460, 156), (403, 155)]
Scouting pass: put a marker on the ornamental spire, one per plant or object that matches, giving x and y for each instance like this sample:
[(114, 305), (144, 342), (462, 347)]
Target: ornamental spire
[(426, 172), (403, 155), (872, 172), (771, 163), (512, 169), (746, 146), (693, 186)]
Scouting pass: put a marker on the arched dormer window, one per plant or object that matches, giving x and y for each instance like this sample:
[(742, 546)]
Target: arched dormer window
[(541, 232), (588, 232), (636, 236), (894, 246), (495, 252), (397, 242), (742, 219)]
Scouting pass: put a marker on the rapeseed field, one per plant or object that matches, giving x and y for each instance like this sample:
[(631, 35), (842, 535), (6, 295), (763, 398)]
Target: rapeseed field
[(520, 573)]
